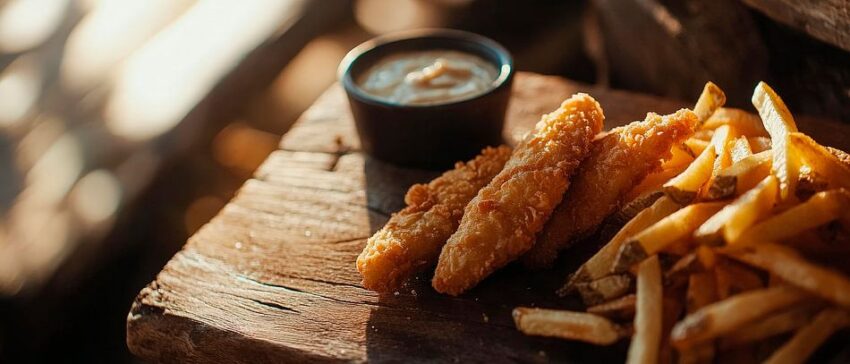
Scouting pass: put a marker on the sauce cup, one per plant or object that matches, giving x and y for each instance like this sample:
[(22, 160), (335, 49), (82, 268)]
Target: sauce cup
[(431, 136)]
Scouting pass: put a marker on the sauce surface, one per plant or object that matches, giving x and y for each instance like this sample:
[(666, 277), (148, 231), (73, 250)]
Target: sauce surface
[(428, 77)]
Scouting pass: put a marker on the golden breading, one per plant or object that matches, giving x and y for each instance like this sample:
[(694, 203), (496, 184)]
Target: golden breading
[(412, 238), (500, 223), (617, 162)]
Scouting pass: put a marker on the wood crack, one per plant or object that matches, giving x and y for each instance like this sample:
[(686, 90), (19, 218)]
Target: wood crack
[(275, 305)]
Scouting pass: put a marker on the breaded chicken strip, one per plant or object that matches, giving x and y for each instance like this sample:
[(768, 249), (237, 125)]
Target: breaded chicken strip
[(500, 223), (618, 161), (412, 238)]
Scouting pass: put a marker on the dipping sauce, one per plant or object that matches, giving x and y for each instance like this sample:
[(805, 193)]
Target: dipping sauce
[(428, 77)]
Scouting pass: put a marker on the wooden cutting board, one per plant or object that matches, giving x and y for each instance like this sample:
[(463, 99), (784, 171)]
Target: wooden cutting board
[(272, 277)]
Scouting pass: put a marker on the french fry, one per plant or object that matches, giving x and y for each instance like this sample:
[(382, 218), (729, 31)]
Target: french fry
[(655, 181), (779, 323), (733, 278), (759, 144), (703, 134), (678, 225), (809, 183), (820, 160), (818, 210), (622, 308), (569, 325), (810, 337), (648, 314), (721, 142), (746, 123), (740, 177), (679, 155), (672, 307), (679, 273), (796, 270), (702, 291), (842, 156), (706, 256), (740, 149), (685, 187), (599, 265), (779, 124), (634, 207), (725, 316), (696, 145), (711, 99), (736, 217), (604, 289)]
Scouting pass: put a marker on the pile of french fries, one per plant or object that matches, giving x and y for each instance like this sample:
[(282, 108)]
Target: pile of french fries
[(737, 250)]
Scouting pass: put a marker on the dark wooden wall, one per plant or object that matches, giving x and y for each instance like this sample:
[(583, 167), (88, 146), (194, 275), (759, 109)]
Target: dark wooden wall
[(672, 47)]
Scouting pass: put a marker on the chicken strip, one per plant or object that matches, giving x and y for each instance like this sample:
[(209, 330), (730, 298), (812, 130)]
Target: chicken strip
[(412, 238), (618, 161), (500, 223)]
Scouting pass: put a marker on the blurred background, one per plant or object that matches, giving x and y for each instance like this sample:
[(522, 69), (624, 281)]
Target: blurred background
[(125, 125)]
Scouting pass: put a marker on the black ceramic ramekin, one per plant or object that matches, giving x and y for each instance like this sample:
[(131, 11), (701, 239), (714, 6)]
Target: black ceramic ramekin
[(428, 136)]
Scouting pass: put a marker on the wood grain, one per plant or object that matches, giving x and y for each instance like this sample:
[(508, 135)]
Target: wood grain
[(272, 277)]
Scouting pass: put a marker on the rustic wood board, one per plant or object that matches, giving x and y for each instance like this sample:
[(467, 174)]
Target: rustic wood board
[(272, 277)]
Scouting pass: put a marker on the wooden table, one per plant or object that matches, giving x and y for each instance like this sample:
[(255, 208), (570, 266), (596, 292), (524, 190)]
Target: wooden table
[(272, 277)]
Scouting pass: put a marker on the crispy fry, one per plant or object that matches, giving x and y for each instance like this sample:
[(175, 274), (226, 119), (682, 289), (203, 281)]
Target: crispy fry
[(736, 217), (779, 124), (615, 164), (655, 181), (500, 223), (733, 278), (740, 149), (711, 99), (672, 307), (696, 145), (820, 209), (809, 183), (604, 289), (622, 308), (566, 325), (685, 187), (721, 142), (728, 315), (706, 256), (842, 156), (739, 177), (648, 314), (679, 155), (599, 265), (412, 238), (704, 134), (821, 160), (810, 337), (702, 291), (746, 123), (651, 240), (679, 272), (759, 144), (634, 207), (780, 323), (796, 270)]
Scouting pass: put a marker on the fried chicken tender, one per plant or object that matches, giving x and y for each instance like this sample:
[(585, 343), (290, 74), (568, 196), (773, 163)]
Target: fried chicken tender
[(500, 223), (618, 161), (412, 238)]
